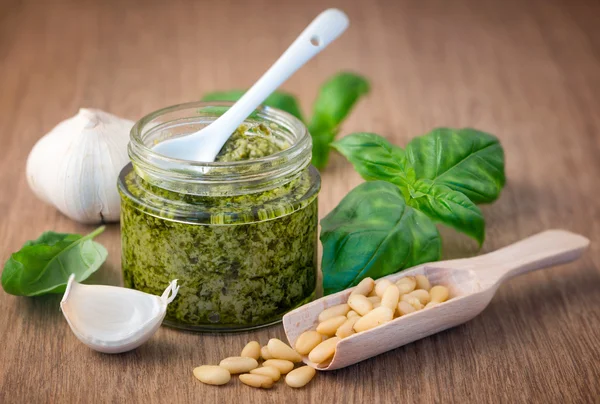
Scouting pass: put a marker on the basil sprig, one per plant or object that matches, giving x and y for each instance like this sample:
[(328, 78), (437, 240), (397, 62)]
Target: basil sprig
[(387, 224), (335, 100), (44, 265)]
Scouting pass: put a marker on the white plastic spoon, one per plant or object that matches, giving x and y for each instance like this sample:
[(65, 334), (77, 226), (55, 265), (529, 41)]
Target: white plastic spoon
[(472, 283), (205, 144)]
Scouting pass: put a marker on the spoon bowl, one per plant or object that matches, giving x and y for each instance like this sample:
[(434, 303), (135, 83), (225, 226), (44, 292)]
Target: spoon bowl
[(472, 283)]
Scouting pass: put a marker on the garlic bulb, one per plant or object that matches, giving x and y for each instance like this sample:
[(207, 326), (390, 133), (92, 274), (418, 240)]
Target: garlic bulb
[(111, 319), (76, 165)]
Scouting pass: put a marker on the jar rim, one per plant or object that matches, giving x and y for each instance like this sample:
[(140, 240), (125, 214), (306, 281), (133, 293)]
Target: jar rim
[(217, 178)]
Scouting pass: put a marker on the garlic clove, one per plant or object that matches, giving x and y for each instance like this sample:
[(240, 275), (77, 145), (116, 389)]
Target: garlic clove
[(112, 319), (76, 165)]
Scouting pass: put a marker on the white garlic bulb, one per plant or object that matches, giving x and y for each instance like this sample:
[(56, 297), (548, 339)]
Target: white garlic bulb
[(76, 165), (111, 319)]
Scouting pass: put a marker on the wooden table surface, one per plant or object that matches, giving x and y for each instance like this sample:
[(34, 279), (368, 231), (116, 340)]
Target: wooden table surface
[(527, 71)]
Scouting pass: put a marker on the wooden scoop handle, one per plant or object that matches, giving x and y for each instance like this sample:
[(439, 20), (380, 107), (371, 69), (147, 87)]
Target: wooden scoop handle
[(546, 249)]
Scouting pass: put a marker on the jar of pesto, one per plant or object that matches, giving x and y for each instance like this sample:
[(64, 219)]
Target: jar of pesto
[(240, 233)]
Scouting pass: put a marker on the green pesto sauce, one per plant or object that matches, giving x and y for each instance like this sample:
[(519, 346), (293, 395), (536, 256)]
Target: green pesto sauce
[(249, 143), (233, 276)]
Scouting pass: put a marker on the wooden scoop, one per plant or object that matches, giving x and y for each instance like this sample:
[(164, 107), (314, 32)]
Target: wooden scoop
[(472, 283)]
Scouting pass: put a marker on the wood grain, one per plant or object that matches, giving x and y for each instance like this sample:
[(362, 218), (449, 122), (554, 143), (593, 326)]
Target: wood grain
[(527, 71)]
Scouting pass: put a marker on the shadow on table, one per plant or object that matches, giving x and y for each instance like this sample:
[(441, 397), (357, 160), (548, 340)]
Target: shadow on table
[(521, 211), (47, 307), (40, 309), (155, 352), (108, 274)]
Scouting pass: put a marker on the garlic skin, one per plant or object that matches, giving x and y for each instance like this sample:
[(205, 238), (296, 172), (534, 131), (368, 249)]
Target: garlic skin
[(76, 165), (112, 319)]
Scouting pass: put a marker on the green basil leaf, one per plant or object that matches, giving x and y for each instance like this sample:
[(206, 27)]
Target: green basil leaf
[(320, 148), (376, 159), (336, 99), (465, 160), (372, 232), (373, 157), (44, 265), (452, 208), (280, 100)]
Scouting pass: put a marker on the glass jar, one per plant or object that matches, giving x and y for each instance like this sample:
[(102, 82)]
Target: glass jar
[(241, 236)]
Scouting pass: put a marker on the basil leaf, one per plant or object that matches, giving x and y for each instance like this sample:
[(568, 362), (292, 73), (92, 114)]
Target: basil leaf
[(280, 100), (44, 265), (374, 158), (320, 148), (452, 208), (465, 160), (377, 159), (372, 232), (335, 101)]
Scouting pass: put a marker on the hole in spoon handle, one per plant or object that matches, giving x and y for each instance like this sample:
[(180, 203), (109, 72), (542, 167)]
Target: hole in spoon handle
[(326, 27)]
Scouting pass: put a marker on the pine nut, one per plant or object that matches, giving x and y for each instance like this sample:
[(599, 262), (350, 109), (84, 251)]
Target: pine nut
[(329, 327), (369, 305), (307, 341), (374, 318), (381, 286), (360, 304), (439, 293), (347, 329), (413, 301), (364, 287), (374, 299), (410, 283), (251, 350), (280, 350), (282, 365), (325, 350), (214, 375), (269, 371), (258, 381), (265, 354), (404, 287), (391, 297), (334, 311), (238, 364), (422, 295), (405, 308), (422, 282), (300, 377)]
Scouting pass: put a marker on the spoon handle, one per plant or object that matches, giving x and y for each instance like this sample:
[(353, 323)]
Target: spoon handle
[(542, 250), (323, 30)]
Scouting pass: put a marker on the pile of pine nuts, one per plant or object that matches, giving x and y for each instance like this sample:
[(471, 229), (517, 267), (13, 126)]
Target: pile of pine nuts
[(279, 359), (370, 304)]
